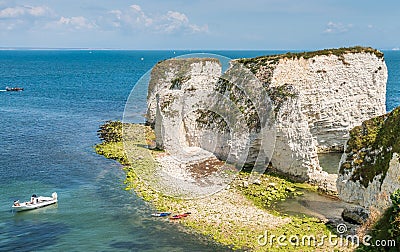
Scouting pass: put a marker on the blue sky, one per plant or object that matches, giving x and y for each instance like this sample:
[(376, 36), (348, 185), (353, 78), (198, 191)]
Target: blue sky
[(217, 24)]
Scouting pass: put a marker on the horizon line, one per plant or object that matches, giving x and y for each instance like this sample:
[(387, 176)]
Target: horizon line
[(5, 48)]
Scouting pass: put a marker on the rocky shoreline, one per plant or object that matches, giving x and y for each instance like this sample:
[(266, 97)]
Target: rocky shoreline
[(235, 216)]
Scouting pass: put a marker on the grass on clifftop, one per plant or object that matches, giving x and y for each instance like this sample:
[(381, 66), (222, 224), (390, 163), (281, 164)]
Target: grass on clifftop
[(307, 55), (371, 147), (269, 61)]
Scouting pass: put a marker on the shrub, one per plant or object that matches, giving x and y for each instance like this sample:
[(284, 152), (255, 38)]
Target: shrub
[(394, 230)]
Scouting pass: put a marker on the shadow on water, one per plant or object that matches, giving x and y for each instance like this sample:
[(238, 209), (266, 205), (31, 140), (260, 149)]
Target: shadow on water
[(30, 235)]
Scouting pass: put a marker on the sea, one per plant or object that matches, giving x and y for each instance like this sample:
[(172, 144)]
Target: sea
[(47, 134)]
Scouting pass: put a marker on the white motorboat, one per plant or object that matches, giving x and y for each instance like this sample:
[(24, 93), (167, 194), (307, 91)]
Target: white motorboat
[(36, 202)]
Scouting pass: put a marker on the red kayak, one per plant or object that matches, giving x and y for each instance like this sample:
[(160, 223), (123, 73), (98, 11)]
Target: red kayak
[(175, 217), (179, 216)]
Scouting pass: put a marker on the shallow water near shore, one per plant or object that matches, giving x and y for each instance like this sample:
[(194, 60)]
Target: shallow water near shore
[(312, 204), (330, 162), (46, 142)]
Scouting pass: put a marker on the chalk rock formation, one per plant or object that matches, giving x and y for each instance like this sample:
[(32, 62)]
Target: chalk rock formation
[(313, 100), (338, 89), (370, 168)]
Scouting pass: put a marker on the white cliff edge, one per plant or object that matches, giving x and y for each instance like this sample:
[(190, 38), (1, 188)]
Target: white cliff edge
[(324, 97)]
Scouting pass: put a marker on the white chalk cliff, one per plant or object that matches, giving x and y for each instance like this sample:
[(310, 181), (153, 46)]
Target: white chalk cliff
[(313, 99)]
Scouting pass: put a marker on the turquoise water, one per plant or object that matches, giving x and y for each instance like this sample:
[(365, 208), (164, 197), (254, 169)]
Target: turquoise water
[(392, 59), (46, 138)]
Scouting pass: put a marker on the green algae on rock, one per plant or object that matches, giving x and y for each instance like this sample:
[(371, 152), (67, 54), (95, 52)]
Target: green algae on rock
[(370, 168), (371, 147)]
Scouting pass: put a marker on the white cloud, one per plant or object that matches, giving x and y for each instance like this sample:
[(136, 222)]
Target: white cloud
[(174, 15), (25, 17), (141, 17), (136, 7), (134, 18), (333, 27), (39, 11), (12, 12), (173, 21), (75, 23), (25, 11), (28, 17)]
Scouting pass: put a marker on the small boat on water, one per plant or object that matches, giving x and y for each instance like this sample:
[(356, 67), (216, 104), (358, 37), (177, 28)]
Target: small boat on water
[(162, 214), (36, 202), (15, 89)]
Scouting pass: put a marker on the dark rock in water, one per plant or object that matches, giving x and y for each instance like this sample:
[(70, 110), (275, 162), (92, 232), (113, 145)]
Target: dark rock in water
[(334, 223), (355, 215)]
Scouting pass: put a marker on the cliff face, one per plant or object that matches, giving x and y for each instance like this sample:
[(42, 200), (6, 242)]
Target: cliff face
[(195, 114), (370, 168), (312, 100), (337, 91), (180, 75)]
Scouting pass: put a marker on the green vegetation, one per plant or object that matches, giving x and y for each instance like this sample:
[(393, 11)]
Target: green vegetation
[(272, 188), (394, 230), (339, 52), (244, 238), (137, 138), (267, 63), (178, 67), (110, 131), (167, 100), (387, 227), (279, 95), (113, 150), (301, 227), (210, 119), (176, 84), (112, 147), (242, 102), (371, 147), (268, 190)]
